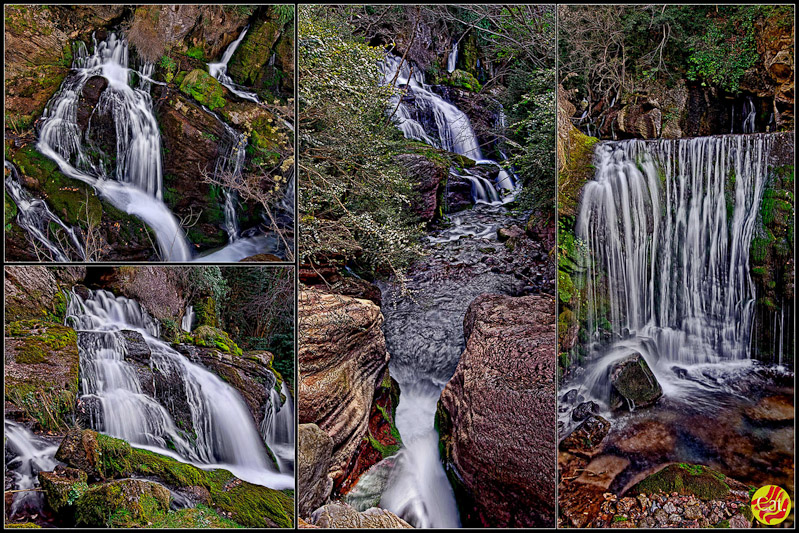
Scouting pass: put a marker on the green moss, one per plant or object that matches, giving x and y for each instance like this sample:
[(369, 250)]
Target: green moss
[(200, 517), (196, 52), (211, 337), (685, 479), (464, 80), (21, 525), (123, 503), (204, 88), (576, 170), (113, 457), (10, 209), (73, 201)]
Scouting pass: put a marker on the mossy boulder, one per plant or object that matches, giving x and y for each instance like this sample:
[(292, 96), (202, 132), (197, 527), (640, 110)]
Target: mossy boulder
[(204, 88), (122, 503), (587, 438), (63, 487), (689, 479), (212, 337), (464, 80), (199, 517), (41, 372), (634, 384), (104, 457)]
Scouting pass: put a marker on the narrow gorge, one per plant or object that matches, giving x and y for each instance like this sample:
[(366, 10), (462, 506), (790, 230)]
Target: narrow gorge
[(393, 359)]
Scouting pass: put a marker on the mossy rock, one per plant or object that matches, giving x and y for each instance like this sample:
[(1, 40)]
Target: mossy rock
[(122, 503), (63, 487), (200, 517), (106, 457), (73, 201), (576, 170), (204, 88), (686, 479), (248, 64), (464, 80), (634, 384), (212, 337), (21, 525)]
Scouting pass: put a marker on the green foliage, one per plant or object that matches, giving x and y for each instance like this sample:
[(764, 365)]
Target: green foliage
[(285, 12), (169, 66), (196, 52), (204, 88), (354, 200)]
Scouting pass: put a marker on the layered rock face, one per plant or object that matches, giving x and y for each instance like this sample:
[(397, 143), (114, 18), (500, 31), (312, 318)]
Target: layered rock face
[(341, 515), (496, 418), (342, 361), (314, 454)]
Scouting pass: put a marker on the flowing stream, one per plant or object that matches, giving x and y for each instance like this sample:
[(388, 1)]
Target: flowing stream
[(222, 433), (424, 334), (134, 184)]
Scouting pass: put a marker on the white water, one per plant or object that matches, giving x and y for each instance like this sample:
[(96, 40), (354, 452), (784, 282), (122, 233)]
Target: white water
[(219, 70), (452, 60), (453, 133), (35, 217), (277, 428), (224, 433), (31, 455), (669, 232), (188, 319), (135, 186)]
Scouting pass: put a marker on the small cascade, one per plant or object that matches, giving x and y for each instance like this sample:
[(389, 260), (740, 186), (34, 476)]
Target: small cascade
[(35, 217), (277, 428), (231, 163), (452, 60), (453, 129), (222, 431), (188, 319), (668, 226), (219, 70), (136, 183), (749, 115), (29, 456)]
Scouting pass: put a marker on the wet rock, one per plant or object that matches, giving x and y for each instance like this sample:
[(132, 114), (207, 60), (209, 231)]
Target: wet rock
[(63, 486), (89, 97), (587, 438), (371, 485), (135, 346), (315, 449), (458, 194), (642, 120), (739, 521), (342, 361), (601, 471), (772, 409), (122, 503), (634, 384), (689, 480), (101, 457), (426, 174), (358, 288), (584, 410), (498, 464), (339, 515), (649, 438)]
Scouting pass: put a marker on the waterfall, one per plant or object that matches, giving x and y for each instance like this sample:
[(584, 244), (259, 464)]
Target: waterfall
[(35, 217), (219, 70), (452, 60), (31, 455), (231, 163), (188, 319), (667, 226), (136, 184), (222, 430), (277, 427), (749, 115), (453, 129)]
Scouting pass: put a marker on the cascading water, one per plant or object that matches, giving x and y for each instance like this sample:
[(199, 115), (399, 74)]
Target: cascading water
[(667, 227), (232, 163), (277, 428), (453, 129), (31, 455), (222, 432), (35, 217), (188, 319), (135, 186), (219, 70), (452, 60)]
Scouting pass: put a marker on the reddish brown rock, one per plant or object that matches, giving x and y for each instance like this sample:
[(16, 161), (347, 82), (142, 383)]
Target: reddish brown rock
[(495, 417), (342, 360), (426, 175)]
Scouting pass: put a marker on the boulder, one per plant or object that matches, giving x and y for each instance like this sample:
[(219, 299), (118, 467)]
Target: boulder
[(584, 410), (340, 515), (122, 503), (690, 479), (587, 438), (501, 465), (100, 456), (426, 174), (458, 194), (63, 486), (642, 120), (342, 361), (314, 452), (634, 384), (135, 346)]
